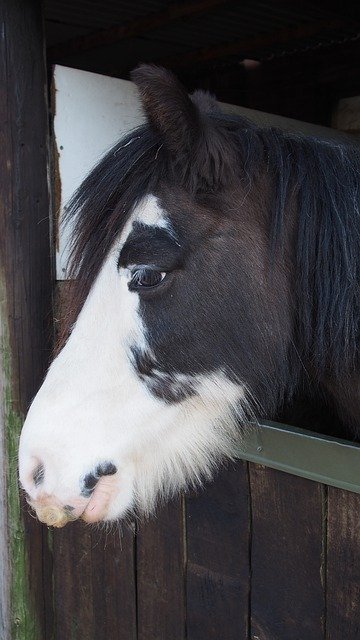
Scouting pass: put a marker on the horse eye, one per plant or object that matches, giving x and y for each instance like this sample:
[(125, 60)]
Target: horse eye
[(145, 278)]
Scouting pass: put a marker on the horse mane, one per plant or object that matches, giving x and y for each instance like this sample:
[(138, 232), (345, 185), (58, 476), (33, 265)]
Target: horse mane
[(322, 178)]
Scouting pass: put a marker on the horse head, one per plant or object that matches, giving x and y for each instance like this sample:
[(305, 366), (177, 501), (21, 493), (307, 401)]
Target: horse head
[(181, 320)]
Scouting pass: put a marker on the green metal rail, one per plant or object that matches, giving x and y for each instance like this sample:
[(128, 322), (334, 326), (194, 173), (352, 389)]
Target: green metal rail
[(303, 453)]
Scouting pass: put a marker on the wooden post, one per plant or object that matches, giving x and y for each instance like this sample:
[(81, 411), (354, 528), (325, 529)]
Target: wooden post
[(25, 305)]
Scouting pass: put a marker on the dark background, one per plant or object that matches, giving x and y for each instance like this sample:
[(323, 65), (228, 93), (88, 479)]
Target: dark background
[(294, 58)]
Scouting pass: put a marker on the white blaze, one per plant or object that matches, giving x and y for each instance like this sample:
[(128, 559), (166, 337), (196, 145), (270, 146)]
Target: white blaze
[(92, 406)]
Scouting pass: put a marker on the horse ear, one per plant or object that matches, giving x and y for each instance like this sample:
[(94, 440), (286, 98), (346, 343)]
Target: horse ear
[(206, 102), (168, 106)]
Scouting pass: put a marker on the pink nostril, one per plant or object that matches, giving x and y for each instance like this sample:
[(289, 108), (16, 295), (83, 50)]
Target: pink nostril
[(38, 475), (91, 479)]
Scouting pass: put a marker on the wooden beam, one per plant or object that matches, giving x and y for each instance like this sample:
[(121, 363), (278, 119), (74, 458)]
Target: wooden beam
[(25, 305), (253, 46), (136, 27)]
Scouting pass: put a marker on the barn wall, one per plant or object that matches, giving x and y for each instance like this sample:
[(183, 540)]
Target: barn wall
[(257, 554)]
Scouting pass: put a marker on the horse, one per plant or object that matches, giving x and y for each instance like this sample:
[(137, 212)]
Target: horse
[(216, 270)]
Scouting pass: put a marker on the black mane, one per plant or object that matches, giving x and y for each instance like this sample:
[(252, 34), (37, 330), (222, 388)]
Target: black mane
[(320, 177)]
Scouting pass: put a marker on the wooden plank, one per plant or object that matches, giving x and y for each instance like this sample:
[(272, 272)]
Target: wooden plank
[(287, 555), (5, 619), (218, 572), (25, 301), (343, 566), (160, 575), (94, 580)]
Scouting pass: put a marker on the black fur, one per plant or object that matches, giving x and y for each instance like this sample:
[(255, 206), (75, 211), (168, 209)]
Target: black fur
[(38, 475), (161, 382), (90, 481), (149, 245)]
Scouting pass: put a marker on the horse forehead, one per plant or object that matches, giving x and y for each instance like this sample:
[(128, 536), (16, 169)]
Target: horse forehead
[(150, 212)]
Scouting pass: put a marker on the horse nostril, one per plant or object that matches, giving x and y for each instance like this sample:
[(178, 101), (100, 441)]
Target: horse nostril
[(38, 475), (105, 469), (68, 507), (91, 479), (89, 483)]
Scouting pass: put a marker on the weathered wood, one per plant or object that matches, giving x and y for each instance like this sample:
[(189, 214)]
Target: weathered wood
[(343, 566), (287, 556), (218, 572), (25, 300), (160, 575), (94, 583), (5, 616)]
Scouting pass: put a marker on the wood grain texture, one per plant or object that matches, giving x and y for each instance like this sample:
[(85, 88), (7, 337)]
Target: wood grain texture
[(26, 295), (343, 566), (218, 579), (94, 583), (160, 575), (287, 556)]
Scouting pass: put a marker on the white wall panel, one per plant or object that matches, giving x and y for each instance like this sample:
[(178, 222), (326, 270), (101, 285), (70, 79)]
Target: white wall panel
[(91, 113)]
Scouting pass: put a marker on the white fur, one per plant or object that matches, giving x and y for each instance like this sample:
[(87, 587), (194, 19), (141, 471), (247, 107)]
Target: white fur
[(149, 212), (92, 406)]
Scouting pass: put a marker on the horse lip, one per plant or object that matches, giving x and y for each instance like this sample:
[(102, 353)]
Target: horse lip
[(54, 515)]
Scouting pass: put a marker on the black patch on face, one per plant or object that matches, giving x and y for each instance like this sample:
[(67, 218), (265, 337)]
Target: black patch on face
[(219, 312), (142, 362), (38, 475), (91, 479), (151, 245), (164, 385)]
